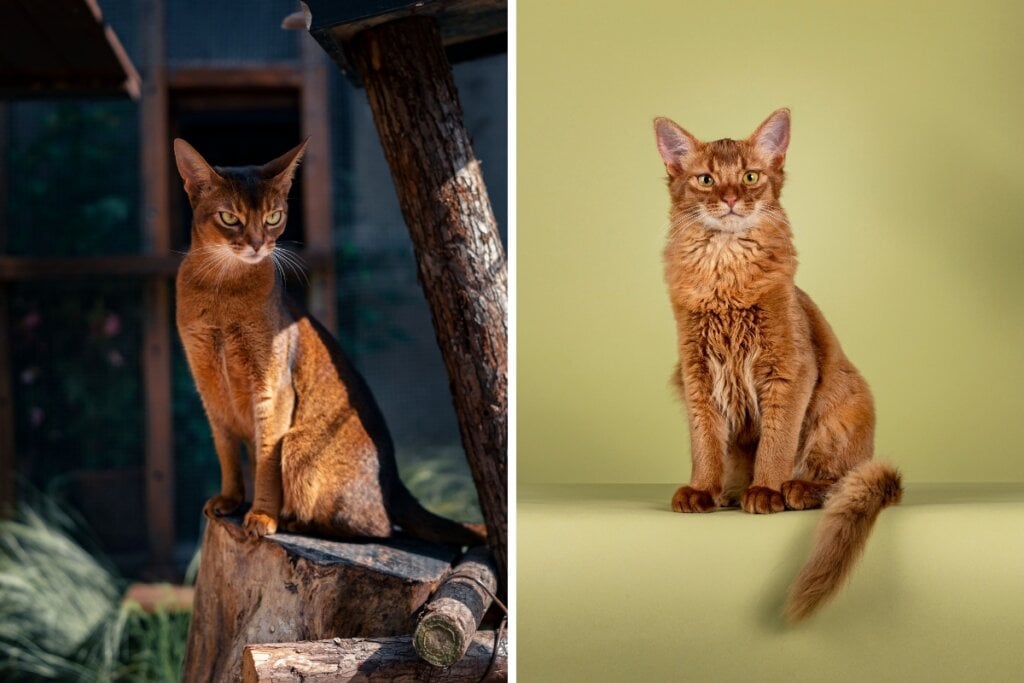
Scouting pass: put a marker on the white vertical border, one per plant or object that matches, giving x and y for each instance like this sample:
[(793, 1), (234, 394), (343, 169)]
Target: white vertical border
[(511, 231)]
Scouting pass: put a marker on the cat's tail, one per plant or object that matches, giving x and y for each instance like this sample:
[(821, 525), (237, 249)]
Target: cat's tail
[(849, 515), (420, 522)]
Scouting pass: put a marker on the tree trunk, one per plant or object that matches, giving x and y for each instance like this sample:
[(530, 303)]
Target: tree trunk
[(377, 659), (460, 257), (453, 614), (285, 588)]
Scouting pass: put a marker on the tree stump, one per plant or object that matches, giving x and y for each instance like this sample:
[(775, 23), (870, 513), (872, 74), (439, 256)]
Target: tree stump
[(372, 659), (285, 588)]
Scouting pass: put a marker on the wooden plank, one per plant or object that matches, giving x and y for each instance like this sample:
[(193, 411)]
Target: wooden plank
[(468, 28), (62, 48), (271, 75), (316, 179), (156, 331), (19, 268)]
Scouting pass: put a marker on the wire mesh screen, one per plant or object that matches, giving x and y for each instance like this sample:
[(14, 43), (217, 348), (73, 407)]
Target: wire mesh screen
[(75, 360), (73, 178), (224, 32)]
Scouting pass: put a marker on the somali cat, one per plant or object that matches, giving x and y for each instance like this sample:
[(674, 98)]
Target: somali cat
[(272, 378), (779, 418)]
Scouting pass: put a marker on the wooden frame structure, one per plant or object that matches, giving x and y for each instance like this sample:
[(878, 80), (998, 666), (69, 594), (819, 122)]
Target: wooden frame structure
[(155, 266)]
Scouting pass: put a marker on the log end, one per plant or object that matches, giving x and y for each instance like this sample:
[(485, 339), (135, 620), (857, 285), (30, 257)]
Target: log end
[(438, 642)]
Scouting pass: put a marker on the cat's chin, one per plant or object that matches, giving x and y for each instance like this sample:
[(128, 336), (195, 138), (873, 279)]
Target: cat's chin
[(252, 259), (732, 223)]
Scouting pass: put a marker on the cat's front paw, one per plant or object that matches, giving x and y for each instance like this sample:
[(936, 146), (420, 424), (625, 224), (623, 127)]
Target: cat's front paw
[(761, 500), (257, 524), (221, 505), (688, 499)]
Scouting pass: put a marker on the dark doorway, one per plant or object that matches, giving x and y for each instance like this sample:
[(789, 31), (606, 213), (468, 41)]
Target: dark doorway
[(236, 128)]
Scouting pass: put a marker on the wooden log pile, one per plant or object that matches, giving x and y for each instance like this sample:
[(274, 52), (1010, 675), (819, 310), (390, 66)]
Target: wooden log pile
[(285, 588)]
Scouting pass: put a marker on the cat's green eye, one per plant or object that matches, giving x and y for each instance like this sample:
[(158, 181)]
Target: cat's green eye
[(705, 180), (750, 177), (229, 218), (273, 218)]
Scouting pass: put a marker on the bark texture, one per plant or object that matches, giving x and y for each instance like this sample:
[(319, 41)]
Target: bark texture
[(461, 261), (450, 620), (374, 659), (285, 588)]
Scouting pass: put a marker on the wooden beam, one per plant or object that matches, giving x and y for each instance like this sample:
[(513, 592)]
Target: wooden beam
[(271, 75), (18, 268), (316, 179), (459, 253), (156, 331)]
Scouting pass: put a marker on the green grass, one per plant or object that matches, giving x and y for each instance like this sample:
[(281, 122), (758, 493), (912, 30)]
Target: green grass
[(61, 613), (439, 478)]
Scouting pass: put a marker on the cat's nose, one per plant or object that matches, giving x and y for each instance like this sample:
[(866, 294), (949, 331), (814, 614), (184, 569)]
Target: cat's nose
[(257, 243), (730, 199)]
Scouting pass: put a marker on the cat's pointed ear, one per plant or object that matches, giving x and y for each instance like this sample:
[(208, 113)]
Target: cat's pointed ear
[(195, 172), (282, 169), (772, 137), (674, 144)]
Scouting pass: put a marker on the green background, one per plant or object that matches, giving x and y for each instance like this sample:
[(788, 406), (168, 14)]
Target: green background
[(905, 190)]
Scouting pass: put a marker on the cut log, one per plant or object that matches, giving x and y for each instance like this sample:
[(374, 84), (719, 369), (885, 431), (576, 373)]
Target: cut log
[(371, 659), (285, 588), (459, 255), (452, 616)]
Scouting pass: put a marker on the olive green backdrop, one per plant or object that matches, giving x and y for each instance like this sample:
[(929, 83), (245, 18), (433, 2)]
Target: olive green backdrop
[(905, 191)]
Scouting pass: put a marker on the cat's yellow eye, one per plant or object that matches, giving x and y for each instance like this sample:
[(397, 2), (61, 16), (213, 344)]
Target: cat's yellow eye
[(273, 218), (750, 177), (229, 218), (705, 180)]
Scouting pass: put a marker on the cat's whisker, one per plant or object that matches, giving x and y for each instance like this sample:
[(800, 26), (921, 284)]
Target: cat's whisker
[(294, 262)]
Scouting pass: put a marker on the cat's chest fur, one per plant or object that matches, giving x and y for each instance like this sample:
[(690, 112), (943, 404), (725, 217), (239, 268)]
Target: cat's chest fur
[(724, 290), (237, 353)]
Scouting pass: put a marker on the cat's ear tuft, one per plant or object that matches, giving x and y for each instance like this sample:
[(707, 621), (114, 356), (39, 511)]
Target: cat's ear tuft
[(195, 172), (772, 137), (674, 144), (282, 169)]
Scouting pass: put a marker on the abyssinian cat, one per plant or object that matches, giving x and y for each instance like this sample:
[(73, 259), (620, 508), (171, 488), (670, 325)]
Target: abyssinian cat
[(272, 378), (779, 418)]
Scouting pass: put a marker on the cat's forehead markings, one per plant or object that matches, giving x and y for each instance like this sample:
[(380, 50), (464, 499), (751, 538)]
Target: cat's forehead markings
[(725, 152)]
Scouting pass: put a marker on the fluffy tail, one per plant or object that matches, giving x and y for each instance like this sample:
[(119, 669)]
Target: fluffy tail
[(849, 515), (422, 523)]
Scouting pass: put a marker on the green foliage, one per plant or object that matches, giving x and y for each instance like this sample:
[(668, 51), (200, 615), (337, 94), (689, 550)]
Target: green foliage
[(61, 614), (73, 184), (76, 360), (439, 477)]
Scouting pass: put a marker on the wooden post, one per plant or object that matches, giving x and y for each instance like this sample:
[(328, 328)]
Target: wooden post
[(316, 180), (156, 330), (372, 659), (460, 257), (285, 588), (449, 621)]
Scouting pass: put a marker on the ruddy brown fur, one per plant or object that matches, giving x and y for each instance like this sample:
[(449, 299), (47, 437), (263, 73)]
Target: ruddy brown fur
[(779, 417), (272, 378)]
